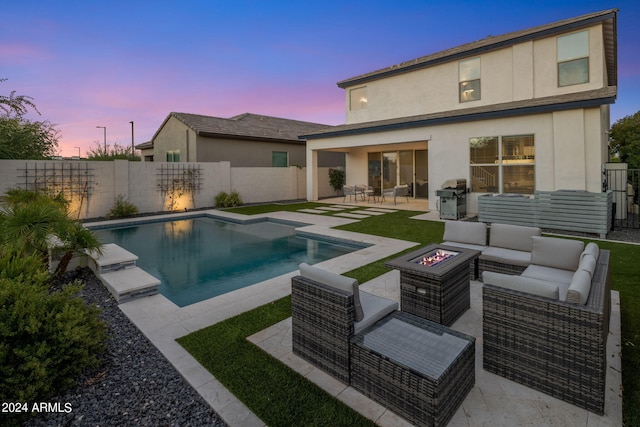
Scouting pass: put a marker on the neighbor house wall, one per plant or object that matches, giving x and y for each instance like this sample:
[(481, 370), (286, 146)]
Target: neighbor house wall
[(139, 183), (246, 153)]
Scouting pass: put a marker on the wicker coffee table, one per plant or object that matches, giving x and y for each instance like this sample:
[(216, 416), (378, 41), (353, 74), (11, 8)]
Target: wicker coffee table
[(417, 368), (438, 292)]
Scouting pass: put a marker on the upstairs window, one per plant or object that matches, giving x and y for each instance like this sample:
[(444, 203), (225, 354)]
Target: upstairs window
[(573, 59), (358, 98), (469, 79)]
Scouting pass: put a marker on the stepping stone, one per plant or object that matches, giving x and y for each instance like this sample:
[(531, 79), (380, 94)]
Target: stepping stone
[(373, 212), (383, 210), (312, 211), (346, 206), (330, 208), (352, 215)]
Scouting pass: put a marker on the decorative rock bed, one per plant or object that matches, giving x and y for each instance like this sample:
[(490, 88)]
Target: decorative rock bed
[(134, 384)]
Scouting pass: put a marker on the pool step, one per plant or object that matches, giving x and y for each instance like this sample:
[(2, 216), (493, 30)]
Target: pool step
[(129, 283), (116, 268)]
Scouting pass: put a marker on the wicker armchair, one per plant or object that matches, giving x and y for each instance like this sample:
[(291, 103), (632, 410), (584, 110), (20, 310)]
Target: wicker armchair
[(349, 190), (327, 310), (553, 346)]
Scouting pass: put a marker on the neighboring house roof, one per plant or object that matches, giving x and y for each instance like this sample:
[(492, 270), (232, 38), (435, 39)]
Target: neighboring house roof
[(591, 98), (145, 145), (607, 17), (247, 126)]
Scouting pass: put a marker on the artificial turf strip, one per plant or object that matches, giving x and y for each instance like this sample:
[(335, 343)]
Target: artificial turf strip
[(278, 395)]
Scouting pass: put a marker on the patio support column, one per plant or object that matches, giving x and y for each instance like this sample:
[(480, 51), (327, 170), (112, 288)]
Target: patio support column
[(312, 174)]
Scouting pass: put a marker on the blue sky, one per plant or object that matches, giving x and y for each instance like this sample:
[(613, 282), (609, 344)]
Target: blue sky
[(94, 63)]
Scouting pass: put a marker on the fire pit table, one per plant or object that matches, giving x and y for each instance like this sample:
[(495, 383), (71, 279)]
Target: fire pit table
[(434, 282)]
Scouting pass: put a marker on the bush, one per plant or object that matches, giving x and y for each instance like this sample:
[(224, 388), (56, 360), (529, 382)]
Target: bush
[(122, 208), (224, 200), (336, 179), (46, 337)]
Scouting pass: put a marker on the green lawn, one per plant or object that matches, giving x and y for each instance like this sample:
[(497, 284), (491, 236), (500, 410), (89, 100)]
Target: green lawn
[(281, 397)]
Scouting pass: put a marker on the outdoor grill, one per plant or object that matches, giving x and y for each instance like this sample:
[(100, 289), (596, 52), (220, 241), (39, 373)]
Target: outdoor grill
[(453, 199)]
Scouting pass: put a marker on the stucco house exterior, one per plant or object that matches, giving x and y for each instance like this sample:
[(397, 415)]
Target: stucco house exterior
[(514, 113), (246, 140)]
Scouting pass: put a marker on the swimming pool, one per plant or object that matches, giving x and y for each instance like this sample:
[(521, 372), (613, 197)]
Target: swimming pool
[(200, 258)]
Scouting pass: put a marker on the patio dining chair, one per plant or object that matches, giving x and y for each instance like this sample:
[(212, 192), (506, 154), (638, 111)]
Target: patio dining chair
[(349, 190), (397, 191)]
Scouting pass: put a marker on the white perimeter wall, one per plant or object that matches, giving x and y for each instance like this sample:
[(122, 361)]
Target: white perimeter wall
[(138, 182)]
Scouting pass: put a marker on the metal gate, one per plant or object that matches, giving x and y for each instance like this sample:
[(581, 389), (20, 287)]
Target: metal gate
[(624, 185)]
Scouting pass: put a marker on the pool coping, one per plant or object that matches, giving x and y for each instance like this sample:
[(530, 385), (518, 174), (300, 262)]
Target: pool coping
[(162, 322)]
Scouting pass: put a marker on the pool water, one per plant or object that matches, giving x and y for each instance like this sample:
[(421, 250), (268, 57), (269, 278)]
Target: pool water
[(196, 259)]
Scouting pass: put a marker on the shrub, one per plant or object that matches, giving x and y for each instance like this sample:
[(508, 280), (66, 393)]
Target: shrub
[(336, 179), (122, 208), (46, 339), (224, 200)]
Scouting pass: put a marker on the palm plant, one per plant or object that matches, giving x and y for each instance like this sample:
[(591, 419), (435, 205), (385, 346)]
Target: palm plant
[(36, 224)]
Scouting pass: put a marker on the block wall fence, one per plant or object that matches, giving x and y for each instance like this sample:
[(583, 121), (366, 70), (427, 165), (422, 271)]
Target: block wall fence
[(93, 187)]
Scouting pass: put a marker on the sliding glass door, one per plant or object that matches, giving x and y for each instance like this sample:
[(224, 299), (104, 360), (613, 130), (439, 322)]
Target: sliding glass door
[(391, 168)]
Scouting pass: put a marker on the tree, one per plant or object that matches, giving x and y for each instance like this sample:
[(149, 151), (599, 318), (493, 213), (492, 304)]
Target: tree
[(21, 138), (16, 104), (625, 140), (25, 139), (102, 153)]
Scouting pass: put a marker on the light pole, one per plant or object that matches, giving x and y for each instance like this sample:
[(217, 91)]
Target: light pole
[(132, 148), (105, 138), (78, 152)]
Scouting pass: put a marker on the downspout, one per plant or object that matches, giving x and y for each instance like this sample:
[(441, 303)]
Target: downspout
[(187, 133)]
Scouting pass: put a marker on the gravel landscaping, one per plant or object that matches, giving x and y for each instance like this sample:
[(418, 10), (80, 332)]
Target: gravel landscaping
[(135, 385)]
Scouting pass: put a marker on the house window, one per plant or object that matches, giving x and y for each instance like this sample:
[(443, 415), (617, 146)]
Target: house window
[(279, 159), (573, 59), (469, 79), (358, 98), (173, 156), (503, 164)]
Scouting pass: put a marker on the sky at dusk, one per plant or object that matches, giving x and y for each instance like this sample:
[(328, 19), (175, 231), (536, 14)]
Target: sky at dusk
[(95, 63)]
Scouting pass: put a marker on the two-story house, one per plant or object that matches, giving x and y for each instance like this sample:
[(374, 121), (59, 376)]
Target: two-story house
[(515, 113)]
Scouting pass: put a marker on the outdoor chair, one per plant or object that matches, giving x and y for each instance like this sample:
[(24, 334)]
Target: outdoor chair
[(397, 191), (327, 310), (364, 191), (349, 190)]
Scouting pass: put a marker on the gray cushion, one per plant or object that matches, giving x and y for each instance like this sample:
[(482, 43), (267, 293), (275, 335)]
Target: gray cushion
[(517, 237), (474, 233), (557, 253), (555, 275), (375, 308), (591, 249), (588, 264), (523, 284), (506, 256), (465, 245), (578, 292), (337, 281)]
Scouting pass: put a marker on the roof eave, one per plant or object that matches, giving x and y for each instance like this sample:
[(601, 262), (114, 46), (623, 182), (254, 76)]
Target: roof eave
[(461, 118)]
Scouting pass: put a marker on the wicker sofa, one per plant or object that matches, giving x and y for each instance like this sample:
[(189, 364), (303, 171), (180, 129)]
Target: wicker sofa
[(547, 328), (505, 248), (327, 309)]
